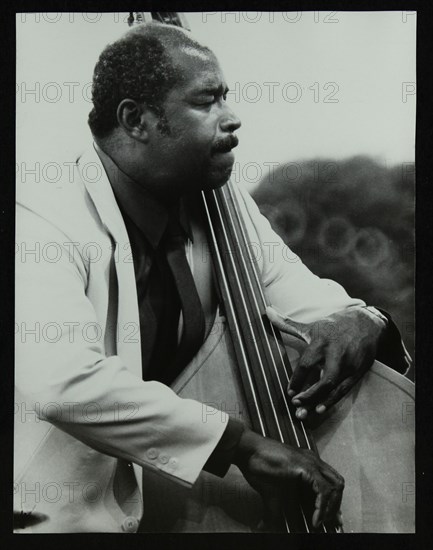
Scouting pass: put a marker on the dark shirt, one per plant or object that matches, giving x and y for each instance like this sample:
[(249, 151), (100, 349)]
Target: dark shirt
[(146, 221)]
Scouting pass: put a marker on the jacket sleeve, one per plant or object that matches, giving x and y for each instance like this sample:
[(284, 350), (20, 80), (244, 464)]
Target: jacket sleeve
[(64, 375), (392, 351)]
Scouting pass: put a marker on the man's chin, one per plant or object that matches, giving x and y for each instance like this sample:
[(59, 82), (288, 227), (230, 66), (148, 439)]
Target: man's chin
[(218, 179)]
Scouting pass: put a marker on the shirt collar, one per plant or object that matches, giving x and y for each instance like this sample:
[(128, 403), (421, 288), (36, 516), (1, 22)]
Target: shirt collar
[(149, 215)]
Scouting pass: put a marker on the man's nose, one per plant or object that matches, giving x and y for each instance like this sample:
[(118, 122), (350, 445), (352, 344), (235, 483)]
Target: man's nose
[(229, 121)]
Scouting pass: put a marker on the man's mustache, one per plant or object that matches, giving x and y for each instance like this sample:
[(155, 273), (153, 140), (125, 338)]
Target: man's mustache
[(226, 144)]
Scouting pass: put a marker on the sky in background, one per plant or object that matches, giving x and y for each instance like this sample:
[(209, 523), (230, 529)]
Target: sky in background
[(304, 84)]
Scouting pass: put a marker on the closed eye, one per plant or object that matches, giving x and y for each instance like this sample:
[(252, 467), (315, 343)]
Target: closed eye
[(212, 96)]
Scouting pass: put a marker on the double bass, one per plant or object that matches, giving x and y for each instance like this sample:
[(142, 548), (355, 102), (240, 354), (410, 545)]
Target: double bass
[(243, 368)]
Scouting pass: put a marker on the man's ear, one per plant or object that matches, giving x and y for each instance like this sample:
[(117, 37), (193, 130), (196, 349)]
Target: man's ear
[(134, 118)]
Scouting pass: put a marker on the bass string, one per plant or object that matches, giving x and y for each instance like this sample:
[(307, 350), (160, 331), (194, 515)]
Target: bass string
[(242, 355), (254, 269), (237, 224), (231, 312), (249, 267), (246, 311), (263, 362), (253, 312), (232, 206), (234, 250), (248, 325)]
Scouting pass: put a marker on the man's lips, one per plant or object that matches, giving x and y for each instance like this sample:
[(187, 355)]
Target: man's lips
[(225, 145)]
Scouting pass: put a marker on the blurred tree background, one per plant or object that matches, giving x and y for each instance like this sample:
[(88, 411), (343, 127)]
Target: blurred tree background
[(351, 221)]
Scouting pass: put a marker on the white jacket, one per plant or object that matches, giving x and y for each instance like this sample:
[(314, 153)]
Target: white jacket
[(86, 422)]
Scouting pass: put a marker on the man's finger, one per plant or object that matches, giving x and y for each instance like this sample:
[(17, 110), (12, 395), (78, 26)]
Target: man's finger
[(335, 493), (338, 393), (312, 377), (318, 512), (334, 505), (327, 502), (328, 382), (320, 487), (331, 473), (312, 356), (327, 486)]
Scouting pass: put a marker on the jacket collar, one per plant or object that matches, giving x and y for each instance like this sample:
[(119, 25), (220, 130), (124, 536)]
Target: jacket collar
[(101, 193)]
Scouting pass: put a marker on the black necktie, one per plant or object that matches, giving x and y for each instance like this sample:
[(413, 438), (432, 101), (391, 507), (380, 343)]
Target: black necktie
[(192, 311)]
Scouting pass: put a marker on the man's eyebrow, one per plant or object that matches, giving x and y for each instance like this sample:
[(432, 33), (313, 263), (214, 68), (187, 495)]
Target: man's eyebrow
[(210, 89)]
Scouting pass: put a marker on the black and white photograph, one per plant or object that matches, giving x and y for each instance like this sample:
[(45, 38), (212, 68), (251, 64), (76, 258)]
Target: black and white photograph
[(215, 272)]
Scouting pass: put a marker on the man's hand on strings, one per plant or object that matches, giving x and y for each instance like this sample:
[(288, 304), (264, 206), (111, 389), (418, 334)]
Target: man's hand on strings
[(282, 473), (340, 349)]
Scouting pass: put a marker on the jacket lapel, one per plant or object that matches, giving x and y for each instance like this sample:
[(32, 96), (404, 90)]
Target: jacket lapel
[(98, 186)]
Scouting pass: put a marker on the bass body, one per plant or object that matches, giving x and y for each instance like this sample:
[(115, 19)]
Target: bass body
[(368, 437)]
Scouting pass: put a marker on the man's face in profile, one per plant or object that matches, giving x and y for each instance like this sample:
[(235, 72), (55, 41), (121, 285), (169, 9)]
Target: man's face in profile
[(193, 144)]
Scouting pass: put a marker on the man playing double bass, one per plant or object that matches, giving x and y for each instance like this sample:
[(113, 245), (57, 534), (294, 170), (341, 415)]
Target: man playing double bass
[(134, 305)]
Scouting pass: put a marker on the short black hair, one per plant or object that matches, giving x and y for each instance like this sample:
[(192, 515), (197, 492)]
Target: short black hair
[(137, 66)]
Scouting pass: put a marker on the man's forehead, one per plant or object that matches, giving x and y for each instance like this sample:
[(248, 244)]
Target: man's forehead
[(195, 52), (198, 67)]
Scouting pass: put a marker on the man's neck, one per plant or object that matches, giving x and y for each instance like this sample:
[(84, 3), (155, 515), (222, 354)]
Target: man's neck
[(121, 157)]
